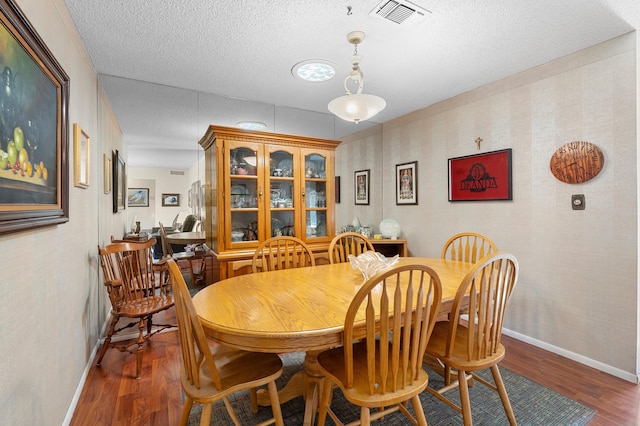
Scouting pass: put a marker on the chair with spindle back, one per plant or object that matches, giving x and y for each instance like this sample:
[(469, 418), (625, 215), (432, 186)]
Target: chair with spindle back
[(210, 374), (348, 243), (468, 247), (386, 330), (282, 253), (134, 292), (472, 344)]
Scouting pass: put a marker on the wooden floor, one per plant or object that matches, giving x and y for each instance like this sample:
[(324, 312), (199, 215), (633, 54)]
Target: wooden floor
[(112, 396)]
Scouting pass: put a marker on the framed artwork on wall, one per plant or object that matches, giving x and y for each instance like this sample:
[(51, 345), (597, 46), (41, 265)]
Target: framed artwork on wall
[(407, 183), (481, 177), (170, 200), (361, 181), (81, 144), (119, 183), (138, 197), (34, 128)]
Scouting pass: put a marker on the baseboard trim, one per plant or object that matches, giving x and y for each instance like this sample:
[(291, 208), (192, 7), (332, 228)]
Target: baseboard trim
[(625, 375)]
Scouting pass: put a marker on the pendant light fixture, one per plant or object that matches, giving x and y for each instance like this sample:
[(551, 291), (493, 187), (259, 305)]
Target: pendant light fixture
[(356, 107)]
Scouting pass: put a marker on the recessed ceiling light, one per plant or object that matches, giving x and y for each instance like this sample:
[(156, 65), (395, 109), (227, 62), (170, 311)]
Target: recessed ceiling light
[(314, 70), (251, 125)]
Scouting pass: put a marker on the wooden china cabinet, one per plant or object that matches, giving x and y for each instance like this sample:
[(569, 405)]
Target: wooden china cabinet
[(260, 185)]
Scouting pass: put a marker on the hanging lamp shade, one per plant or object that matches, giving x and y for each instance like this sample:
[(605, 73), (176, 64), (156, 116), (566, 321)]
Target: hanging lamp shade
[(356, 107)]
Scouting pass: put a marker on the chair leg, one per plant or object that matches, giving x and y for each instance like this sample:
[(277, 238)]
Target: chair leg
[(253, 396), (497, 378), (107, 340), (365, 416), (230, 410), (205, 418), (325, 401), (419, 412), (186, 410), (140, 342), (275, 403), (464, 398), (149, 321)]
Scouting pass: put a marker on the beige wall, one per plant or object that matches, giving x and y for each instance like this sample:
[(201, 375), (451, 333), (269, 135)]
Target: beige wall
[(53, 307), (577, 292)]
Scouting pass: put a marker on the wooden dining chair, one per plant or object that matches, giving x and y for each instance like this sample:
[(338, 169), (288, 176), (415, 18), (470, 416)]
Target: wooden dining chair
[(209, 374), (158, 265), (192, 262), (468, 247), (282, 253), (348, 243), (134, 292), (386, 330), (472, 344)]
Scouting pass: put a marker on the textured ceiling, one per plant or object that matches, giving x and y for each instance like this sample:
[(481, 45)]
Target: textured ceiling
[(245, 49)]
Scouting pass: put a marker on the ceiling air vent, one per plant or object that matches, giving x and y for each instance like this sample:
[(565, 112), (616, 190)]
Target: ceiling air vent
[(400, 12), (176, 172)]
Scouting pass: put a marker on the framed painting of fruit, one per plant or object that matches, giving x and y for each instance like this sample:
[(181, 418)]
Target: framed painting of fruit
[(34, 127)]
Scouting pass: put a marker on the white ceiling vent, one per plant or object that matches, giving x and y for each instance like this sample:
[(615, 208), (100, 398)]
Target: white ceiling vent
[(176, 172), (399, 11)]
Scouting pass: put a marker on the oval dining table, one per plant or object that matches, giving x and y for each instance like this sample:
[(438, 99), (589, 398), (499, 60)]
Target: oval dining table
[(193, 237), (298, 310)]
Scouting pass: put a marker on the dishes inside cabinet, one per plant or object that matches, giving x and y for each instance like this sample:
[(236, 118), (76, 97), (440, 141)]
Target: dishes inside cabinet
[(276, 227), (286, 166), (239, 190)]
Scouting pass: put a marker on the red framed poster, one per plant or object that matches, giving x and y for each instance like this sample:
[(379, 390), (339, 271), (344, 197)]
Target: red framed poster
[(481, 177)]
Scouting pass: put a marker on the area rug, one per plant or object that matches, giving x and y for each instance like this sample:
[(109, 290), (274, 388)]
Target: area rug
[(532, 405)]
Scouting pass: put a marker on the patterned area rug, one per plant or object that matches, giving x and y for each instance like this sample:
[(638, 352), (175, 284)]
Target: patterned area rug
[(532, 404)]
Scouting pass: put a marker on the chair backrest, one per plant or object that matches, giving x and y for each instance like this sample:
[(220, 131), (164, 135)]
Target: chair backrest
[(178, 221), (167, 251), (193, 342), (348, 243), (189, 223), (128, 272), (483, 296), (468, 247), (395, 311), (282, 253)]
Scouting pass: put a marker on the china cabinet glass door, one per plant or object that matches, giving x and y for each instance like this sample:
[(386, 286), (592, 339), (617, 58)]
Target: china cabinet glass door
[(282, 195), (315, 195), (243, 199)]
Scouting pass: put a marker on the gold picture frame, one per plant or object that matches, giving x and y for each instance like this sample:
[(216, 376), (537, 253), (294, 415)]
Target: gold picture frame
[(81, 157), (107, 173)]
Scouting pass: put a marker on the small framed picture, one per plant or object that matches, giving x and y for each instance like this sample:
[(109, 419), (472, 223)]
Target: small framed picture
[(170, 200), (407, 183), (361, 180), (107, 173), (481, 177), (138, 197), (119, 186), (81, 142)]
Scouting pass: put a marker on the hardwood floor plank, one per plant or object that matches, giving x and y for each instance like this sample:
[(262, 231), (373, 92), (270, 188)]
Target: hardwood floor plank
[(112, 396)]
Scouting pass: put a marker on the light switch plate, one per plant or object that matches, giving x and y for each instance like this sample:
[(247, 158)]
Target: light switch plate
[(577, 202)]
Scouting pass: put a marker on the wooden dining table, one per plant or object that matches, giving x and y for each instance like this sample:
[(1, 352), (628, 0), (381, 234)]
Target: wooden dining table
[(298, 310), (195, 237)]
